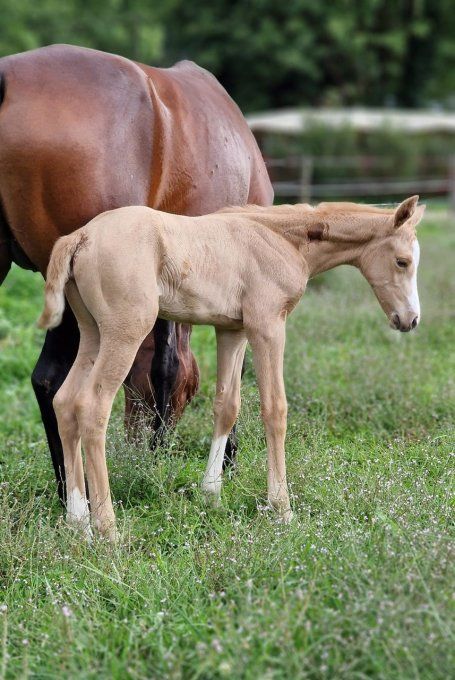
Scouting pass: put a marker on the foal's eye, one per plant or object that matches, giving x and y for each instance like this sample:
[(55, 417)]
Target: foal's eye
[(402, 263)]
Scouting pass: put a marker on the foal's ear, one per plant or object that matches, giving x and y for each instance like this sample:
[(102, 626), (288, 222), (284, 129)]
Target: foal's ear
[(405, 210), (418, 214)]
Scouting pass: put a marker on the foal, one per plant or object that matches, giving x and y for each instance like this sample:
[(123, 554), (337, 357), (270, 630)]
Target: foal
[(242, 270)]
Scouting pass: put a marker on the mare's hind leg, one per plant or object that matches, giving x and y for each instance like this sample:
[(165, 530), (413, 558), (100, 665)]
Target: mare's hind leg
[(65, 410), (5, 250), (56, 358), (230, 352), (120, 339)]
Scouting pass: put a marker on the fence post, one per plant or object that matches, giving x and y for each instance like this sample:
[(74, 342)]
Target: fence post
[(452, 185), (306, 177)]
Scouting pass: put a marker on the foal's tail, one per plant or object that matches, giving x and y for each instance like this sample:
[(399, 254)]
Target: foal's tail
[(59, 270)]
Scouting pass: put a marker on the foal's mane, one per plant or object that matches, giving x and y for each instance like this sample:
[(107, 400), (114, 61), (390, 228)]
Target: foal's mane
[(319, 222), (324, 207)]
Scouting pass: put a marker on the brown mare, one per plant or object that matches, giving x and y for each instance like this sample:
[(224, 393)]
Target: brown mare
[(82, 132)]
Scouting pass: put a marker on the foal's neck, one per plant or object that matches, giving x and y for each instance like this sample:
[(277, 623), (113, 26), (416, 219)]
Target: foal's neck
[(329, 234)]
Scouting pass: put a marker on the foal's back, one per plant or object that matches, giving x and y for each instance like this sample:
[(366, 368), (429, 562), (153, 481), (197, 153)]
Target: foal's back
[(133, 256), (200, 270)]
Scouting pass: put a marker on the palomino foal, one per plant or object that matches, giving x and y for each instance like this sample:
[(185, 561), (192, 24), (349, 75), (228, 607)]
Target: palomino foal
[(241, 270)]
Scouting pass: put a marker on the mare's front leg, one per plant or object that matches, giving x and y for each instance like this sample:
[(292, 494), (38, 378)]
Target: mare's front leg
[(267, 343), (230, 352), (230, 454)]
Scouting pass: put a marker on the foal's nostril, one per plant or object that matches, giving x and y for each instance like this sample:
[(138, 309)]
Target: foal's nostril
[(414, 322), (396, 321)]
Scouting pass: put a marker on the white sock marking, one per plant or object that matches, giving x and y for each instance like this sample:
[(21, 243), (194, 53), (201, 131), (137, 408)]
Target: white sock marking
[(213, 473), (77, 512)]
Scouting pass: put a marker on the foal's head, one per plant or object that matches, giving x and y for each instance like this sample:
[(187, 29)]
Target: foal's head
[(389, 262)]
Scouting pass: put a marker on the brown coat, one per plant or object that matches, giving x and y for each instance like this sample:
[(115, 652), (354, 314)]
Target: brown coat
[(82, 132)]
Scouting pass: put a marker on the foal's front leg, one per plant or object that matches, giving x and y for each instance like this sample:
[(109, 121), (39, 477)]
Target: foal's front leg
[(230, 352), (268, 353)]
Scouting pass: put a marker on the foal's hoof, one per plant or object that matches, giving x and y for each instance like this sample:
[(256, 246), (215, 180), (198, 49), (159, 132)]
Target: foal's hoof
[(110, 535), (212, 500), (286, 517), (82, 527), (212, 494), (283, 512)]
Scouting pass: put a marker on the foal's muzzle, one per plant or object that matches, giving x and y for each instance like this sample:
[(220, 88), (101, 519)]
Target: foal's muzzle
[(404, 324)]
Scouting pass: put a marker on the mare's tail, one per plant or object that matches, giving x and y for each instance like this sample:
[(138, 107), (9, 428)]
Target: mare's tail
[(58, 272)]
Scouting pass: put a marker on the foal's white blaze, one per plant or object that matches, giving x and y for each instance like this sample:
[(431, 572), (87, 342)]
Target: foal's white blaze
[(77, 512), (414, 302), (212, 478)]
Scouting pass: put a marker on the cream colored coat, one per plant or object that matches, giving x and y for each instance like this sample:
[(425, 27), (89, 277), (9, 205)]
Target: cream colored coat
[(241, 270)]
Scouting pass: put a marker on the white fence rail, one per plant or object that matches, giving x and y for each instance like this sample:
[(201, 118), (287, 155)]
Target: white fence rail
[(303, 188)]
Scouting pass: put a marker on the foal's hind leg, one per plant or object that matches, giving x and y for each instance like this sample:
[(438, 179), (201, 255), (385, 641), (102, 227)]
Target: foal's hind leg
[(230, 352), (119, 342), (64, 406)]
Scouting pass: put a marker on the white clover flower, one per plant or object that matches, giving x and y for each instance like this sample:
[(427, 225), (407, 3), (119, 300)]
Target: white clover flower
[(217, 646)]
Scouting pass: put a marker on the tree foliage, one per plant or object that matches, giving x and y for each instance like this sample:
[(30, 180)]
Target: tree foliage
[(267, 53), (272, 54), (127, 27)]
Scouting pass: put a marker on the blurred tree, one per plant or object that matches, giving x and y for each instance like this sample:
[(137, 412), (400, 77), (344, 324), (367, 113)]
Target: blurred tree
[(271, 54), (127, 27), (267, 54)]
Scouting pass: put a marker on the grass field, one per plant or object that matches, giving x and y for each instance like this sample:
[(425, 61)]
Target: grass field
[(360, 585)]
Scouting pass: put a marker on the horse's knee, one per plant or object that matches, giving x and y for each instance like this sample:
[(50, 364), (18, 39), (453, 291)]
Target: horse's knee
[(65, 413), (83, 411), (226, 409), (43, 381), (47, 379), (60, 403), (92, 415), (274, 413), (56, 358)]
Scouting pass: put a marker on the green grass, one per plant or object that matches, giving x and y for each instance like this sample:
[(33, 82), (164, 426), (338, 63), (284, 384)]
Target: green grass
[(360, 585)]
